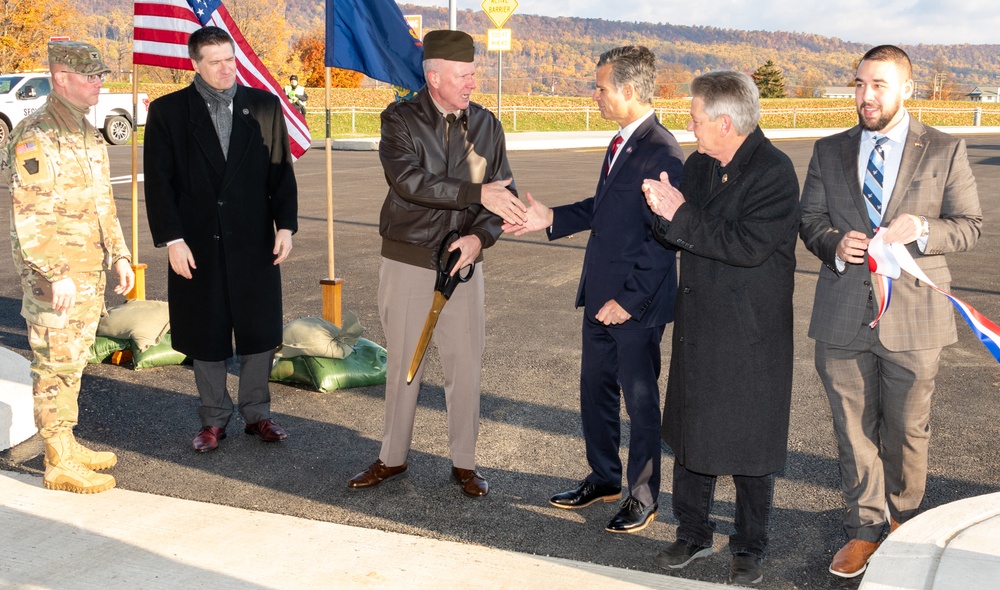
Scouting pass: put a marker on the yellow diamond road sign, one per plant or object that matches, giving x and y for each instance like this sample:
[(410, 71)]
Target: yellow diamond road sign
[(499, 10)]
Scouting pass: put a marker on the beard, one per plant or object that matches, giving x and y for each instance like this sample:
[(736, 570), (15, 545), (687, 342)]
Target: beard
[(887, 112)]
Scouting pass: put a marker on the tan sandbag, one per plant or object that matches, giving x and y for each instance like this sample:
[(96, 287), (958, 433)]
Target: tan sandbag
[(316, 337), (143, 322)]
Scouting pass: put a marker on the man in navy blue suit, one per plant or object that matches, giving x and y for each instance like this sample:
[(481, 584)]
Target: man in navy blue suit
[(627, 290)]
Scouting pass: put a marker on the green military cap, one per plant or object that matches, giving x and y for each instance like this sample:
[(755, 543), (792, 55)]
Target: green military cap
[(82, 58), (449, 45)]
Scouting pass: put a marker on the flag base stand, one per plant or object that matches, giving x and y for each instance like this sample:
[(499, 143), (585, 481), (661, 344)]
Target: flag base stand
[(332, 300), (139, 289)]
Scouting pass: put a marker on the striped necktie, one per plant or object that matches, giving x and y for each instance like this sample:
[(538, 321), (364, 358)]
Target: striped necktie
[(612, 149), (873, 183)]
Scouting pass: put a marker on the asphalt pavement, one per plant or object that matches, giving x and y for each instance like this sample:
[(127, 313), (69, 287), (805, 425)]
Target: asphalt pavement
[(235, 517)]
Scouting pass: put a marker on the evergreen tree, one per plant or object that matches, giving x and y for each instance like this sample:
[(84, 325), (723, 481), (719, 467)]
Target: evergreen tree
[(770, 80)]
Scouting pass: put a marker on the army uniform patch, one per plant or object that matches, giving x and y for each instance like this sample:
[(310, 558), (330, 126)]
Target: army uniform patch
[(26, 147), (32, 165)]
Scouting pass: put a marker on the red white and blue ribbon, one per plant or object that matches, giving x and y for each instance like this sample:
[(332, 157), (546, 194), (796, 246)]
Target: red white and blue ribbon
[(886, 260), (884, 265)]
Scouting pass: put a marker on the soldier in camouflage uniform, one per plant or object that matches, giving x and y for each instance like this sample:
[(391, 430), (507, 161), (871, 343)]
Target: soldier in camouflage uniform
[(65, 233)]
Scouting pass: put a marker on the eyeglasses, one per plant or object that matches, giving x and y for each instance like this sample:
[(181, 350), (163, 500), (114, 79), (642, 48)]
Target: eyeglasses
[(91, 78)]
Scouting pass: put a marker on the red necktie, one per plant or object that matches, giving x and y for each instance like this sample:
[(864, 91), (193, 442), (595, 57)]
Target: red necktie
[(612, 149)]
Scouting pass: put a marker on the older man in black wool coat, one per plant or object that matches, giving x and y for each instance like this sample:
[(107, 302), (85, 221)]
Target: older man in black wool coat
[(734, 220)]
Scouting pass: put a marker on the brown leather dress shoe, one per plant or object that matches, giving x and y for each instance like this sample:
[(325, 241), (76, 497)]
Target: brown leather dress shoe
[(376, 473), (472, 483), (267, 430), (208, 438), (852, 559)]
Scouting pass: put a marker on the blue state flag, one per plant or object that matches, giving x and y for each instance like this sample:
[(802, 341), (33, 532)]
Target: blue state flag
[(372, 37)]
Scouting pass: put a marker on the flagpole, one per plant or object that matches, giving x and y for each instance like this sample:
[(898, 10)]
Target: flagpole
[(139, 289), (452, 15), (332, 287)]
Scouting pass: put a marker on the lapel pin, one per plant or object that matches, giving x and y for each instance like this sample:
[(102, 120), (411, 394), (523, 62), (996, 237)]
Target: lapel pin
[(725, 178), (628, 150), (246, 111), (917, 144)]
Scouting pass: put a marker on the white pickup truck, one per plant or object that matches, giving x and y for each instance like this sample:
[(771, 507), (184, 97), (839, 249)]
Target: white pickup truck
[(22, 94)]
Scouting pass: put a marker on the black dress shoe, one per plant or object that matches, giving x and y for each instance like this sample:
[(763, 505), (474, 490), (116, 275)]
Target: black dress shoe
[(679, 554), (586, 494), (208, 438), (633, 517), (745, 569)]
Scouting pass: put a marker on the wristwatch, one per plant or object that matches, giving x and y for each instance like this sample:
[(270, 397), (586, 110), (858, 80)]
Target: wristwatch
[(925, 228)]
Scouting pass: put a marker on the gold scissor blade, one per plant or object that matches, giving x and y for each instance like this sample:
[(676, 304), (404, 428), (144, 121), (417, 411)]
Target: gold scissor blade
[(425, 336)]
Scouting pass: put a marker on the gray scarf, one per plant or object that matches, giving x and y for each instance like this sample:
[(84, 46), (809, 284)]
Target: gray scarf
[(218, 108)]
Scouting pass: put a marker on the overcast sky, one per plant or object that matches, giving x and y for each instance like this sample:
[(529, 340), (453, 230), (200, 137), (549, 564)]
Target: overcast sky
[(863, 21)]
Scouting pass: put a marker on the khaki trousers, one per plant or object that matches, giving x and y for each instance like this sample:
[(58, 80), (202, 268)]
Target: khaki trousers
[(405, 294)]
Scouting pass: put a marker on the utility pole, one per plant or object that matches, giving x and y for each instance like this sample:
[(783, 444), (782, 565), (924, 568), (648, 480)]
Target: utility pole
[(939, 80)]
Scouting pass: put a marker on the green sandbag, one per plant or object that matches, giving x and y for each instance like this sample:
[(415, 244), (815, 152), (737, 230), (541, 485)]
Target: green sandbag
[(363, 367), (105, 346), (161, 354)]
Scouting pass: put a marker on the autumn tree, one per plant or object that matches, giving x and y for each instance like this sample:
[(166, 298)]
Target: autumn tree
[(111, 33), (263, 24), (311, 51), (672, 81), (811, 86), (25, 28), (345, 78), (770, 80)]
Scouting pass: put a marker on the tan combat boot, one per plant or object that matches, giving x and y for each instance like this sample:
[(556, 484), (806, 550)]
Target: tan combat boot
[(95, 460), (64, 472)]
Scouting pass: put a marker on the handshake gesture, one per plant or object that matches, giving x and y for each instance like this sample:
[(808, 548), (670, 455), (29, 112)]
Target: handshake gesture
[(498, 199), (538, 216)]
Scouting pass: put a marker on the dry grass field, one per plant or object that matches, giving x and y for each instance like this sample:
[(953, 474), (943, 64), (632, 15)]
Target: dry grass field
[(355, 112)]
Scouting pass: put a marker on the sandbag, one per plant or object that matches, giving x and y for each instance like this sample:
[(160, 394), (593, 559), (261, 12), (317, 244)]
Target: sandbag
[(311, 336), (365, 366), (158, 355), (143, 322), (104, 346)]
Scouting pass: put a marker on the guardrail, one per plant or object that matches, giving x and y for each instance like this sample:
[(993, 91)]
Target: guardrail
[(365, 120)]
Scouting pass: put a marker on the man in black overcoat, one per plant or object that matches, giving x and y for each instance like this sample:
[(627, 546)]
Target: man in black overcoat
[(221, 196), (734, 220)]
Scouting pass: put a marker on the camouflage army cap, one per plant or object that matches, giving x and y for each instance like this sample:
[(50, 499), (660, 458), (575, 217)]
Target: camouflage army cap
[(82, 58)]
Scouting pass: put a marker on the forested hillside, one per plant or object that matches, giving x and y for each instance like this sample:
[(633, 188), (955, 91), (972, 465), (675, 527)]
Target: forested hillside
[(557, 55)]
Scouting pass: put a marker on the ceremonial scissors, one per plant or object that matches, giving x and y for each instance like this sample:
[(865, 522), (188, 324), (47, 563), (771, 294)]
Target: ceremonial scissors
[(444, 286)]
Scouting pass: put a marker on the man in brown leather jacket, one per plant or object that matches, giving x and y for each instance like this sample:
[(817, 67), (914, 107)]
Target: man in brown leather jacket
[(445, 161)]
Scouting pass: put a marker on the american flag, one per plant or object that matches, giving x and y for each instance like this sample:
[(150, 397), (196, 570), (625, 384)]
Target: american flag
[(162, 28)]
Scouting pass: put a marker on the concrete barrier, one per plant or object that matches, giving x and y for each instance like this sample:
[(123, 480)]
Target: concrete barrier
[(951, 547), (17, 419)]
